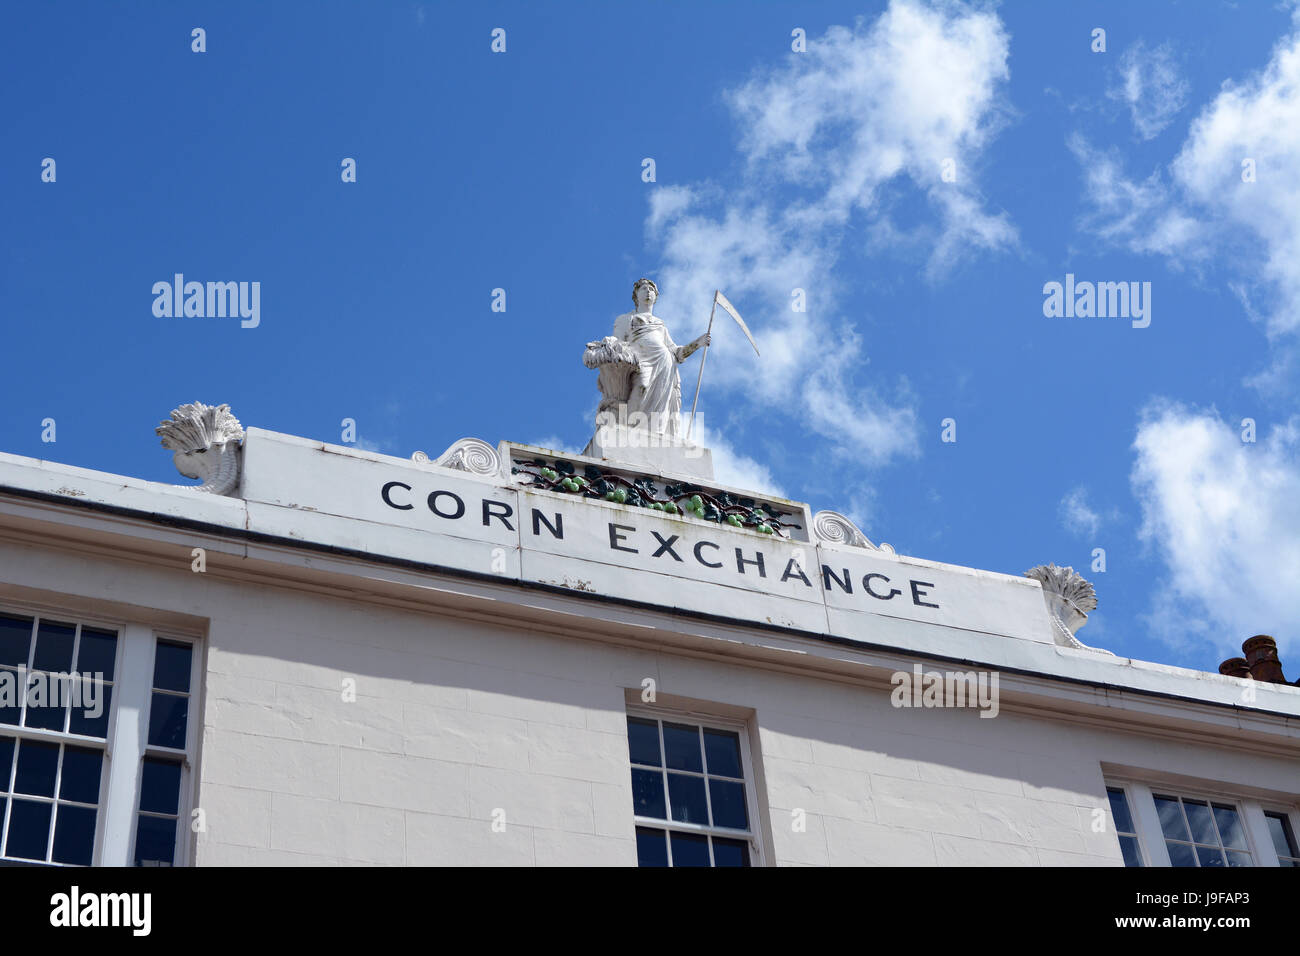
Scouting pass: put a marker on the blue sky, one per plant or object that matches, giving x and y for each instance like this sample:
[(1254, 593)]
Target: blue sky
[(774, 170)]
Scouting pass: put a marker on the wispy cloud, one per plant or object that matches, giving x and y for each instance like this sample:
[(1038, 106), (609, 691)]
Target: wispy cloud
[(1139, 215), (1151, 84), (828, 136), (1229, 198), (1077, 516), (734, 469)]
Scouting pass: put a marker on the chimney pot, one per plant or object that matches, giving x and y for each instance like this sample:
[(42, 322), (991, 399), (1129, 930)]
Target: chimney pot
[(1261, 658), (1235, 667)]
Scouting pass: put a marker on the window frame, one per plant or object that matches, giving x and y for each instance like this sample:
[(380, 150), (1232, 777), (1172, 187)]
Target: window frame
[(125, 743), (1237, 806), (1130, 798), (1291, 815), (63, 738), (185, 799), (707, 721), (1250, 810)]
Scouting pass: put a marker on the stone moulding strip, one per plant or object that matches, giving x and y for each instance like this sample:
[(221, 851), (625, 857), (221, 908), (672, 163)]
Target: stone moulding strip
[(671, 612)]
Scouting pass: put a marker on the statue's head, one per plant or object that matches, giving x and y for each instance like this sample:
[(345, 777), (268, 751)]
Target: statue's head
[(644, 290)]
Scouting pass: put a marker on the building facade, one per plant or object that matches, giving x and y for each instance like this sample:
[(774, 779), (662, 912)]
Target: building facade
[(515, 656)]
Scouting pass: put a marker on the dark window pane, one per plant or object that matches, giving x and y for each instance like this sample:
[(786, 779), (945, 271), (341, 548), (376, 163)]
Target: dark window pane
[(167, 720), (11, 696), (722, 752), (643, 741), (1237, 858), (1230, 828), (690, 849), (651, 847), (728, 801), (1119, 811), (15, 639), (37, 765), (1198, 815), (88, 720), (155, 841), (686, 798), (74, 835), (81, 772), (682, 747), (54, 647), (6, 762), (1210, 856), (1129, 847), (29, 829), (1171, 818), (648, 794), (1180, 854), (97, 654), (160, 787), (171, 666), (1279, 829), (730, 852), (47, 696)]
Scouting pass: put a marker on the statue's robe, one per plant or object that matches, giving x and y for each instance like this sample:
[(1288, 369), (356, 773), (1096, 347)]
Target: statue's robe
[(656, 388)]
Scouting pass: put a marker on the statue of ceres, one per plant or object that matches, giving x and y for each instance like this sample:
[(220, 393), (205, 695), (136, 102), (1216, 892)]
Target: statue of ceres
[(654, 395)]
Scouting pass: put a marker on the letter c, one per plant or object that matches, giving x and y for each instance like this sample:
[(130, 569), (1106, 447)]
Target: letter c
[(700, 558), (389, 501)]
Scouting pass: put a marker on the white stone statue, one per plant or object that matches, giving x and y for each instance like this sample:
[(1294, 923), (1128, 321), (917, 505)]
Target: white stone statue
[(644, 360)]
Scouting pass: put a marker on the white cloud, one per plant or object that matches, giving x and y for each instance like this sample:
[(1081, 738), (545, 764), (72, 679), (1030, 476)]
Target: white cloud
[(1225, 517), (734, 469), (868, 106), (828, 136), (1201, 210), (1258, 119), (1152, 86), (1077, 515), (1143, 217)]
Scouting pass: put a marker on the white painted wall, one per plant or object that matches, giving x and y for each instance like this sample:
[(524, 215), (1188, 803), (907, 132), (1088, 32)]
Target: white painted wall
[(455, 718)]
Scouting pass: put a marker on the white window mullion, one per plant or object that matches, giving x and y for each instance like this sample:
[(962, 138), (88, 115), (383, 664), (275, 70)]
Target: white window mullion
[(1150, 834), (1257, 834), (128, 737), (54, 802)]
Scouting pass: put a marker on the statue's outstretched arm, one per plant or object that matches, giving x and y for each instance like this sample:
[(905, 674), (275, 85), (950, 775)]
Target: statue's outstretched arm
[(683, 352)]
